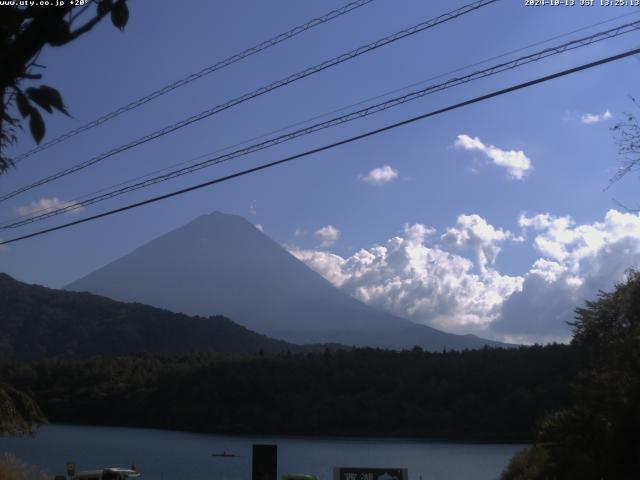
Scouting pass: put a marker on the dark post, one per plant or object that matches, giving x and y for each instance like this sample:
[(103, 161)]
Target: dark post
[(265, 462)]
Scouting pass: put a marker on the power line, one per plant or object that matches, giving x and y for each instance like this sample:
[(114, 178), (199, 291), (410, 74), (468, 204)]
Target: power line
[(338, 120), (370, 110), (370, 133), (261, 91), (195, 76), (5, 223)]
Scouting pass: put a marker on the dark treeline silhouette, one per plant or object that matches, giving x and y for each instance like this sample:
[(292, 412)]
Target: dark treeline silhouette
[(484, 395)]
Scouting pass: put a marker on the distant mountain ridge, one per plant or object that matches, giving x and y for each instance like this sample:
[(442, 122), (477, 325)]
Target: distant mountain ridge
[(38, 322), (222, 264)]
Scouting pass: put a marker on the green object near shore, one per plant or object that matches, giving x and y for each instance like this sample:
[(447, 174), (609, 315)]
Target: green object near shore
[(299, 477)]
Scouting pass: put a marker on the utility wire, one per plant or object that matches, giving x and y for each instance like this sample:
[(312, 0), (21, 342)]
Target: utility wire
[(373, 109), (316, 117), (261, 91), (195, 76), (307, 153)]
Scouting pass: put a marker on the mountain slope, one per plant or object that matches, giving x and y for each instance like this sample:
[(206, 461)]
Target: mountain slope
[(221, 264), (38, 322)]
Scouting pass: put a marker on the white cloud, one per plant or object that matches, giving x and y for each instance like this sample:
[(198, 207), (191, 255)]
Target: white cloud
[(558, 232), (327, 236), (465, 142), (252, 208), (45, 205), (412, 279), (413, 276), (473, 232), (517, 164), (380, 175), (299, 232), (590, 118), (259, 227), (577, 261), (325, 263)]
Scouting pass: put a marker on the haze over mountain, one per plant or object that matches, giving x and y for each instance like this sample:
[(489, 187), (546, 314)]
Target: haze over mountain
[(222, 264)]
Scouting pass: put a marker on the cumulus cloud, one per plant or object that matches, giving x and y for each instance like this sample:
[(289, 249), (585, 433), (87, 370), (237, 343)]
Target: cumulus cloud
[(475, 233), (591, 118), (299, 232), (260, 227), (327, 236), (428, 278), (380, 175), (517, 164), (45, 205), (411, 278), (577, 261)]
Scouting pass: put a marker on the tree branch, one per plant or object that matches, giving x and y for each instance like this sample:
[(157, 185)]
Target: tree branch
[(80, 12), (86, 27)]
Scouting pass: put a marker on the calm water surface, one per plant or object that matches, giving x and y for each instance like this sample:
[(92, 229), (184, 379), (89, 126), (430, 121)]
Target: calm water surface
[(169, 455)]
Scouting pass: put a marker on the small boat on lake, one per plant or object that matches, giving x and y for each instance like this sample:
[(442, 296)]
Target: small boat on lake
[(225, 454)]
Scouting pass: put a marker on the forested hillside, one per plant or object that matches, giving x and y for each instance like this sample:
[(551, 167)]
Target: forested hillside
[(489, 394), (38, 322)]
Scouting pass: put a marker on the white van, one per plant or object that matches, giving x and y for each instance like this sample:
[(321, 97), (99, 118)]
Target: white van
[(108, 474)]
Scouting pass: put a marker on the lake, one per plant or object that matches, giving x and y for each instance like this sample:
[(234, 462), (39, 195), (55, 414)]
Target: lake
[(170, 455)]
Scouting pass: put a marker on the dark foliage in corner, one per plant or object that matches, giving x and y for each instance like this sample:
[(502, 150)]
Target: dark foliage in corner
[(24, 32), (18, 412), (596, 436)]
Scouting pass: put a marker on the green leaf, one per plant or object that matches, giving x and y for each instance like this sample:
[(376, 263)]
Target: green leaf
[(22, 102), (36, 125), (120, 14), (36, 95), (47, 97), (104, 6), (53, 97)]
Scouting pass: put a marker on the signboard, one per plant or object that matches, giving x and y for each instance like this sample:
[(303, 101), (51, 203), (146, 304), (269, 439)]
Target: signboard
[(265, 462), (364, 473), (71, 469)]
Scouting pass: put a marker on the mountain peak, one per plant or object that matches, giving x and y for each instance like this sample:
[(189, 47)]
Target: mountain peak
[(221, 216), (227, 223), (221, 264), (217, 217)]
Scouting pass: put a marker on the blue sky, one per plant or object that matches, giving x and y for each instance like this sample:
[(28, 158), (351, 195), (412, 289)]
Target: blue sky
[(448, 199)]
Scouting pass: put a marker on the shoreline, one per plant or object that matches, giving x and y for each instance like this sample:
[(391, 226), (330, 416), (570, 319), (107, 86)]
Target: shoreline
[(308, 437)]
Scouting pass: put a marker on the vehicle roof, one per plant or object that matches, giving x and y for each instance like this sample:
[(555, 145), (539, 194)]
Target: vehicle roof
[(111, 469)]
